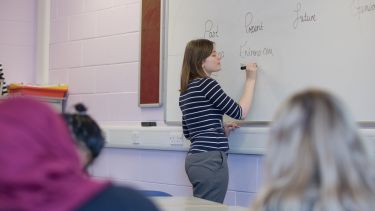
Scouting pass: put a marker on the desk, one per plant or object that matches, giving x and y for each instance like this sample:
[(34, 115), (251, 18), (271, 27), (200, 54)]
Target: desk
[(191, 204)]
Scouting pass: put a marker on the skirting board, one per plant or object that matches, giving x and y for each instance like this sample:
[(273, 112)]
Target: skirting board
[(244, 140)]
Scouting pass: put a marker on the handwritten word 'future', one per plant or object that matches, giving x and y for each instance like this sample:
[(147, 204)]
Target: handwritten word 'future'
[(302, 18)]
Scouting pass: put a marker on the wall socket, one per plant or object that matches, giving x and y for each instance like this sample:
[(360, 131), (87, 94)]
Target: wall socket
[(135, 137), (176, 139)]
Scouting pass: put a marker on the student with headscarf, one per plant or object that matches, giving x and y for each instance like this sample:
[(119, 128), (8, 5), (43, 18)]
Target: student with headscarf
[(40, 168)]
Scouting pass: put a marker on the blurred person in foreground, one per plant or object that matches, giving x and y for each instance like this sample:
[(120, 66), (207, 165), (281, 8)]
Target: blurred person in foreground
[(316, 159), (40, 168)]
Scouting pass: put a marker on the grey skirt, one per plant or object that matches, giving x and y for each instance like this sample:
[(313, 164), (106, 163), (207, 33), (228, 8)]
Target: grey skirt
[(208, 173)]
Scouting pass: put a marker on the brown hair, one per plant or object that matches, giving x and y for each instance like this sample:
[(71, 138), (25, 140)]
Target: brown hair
[(196, 52)]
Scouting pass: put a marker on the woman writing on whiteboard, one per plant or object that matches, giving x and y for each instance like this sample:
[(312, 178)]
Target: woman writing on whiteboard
[(203, 104)]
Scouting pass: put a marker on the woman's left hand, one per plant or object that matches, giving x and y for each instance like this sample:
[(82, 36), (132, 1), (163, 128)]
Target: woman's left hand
[(229, 127)]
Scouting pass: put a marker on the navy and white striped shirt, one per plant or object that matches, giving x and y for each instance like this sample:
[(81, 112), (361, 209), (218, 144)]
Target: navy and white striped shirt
[(203, 106)]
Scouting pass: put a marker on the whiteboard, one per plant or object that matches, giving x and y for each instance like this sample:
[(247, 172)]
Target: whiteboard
[(297, 44)]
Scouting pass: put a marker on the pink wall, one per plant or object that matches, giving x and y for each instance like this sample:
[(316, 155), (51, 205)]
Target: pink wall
[(95, 48), (17, 40)]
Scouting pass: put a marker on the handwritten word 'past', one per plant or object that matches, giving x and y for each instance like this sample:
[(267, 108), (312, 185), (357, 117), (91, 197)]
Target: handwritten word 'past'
[(209, 31)]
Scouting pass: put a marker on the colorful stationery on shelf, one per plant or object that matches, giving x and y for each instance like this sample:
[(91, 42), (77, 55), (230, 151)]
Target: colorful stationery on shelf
[(54, 91)]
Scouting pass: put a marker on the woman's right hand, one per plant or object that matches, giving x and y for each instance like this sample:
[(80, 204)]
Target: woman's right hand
[(251, 70), (248, 89)]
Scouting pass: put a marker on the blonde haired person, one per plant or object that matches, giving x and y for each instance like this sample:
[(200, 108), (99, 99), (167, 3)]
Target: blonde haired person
[(316, 159)]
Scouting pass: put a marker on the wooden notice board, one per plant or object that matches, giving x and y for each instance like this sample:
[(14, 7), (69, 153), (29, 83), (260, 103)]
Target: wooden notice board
[(150, 54)]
